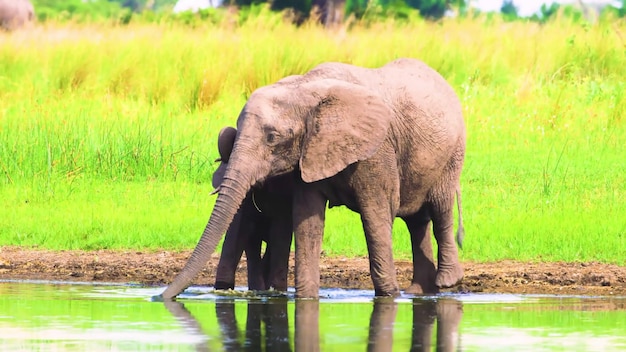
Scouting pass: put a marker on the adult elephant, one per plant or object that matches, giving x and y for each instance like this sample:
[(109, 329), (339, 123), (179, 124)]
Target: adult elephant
[(386, 142), (15, 13), (264, 215)]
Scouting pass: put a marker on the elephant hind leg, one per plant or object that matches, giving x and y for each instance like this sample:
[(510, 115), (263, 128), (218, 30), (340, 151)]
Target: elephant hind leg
[(377, 227), (424, 269), (449, 270)]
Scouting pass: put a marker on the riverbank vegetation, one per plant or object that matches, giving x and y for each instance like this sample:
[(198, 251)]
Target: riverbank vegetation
[(108, 132)]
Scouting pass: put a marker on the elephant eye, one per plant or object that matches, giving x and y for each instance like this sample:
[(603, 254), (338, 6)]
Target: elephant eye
[(271, 137)]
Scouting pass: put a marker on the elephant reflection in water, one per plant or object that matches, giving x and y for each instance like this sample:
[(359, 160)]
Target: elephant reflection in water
[(448, 313), (188, 322), (275, 318), (273, 315), (381, 324)]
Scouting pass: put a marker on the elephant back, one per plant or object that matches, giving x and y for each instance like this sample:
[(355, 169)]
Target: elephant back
[(15, 14)]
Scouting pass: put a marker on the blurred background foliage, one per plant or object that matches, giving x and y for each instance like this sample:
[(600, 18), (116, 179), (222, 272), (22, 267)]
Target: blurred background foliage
[(325, 11)]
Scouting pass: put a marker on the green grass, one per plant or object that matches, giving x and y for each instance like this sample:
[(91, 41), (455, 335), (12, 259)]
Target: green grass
[(107, 134)]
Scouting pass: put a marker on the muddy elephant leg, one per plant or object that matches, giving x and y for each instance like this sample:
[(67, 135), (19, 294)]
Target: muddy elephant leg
[(449, 270), (377, 226), (255, 265), (278, 248), (424, 269), (382, 268), (266, 265), (232, 249), (378, 199), (256, 276), (308, 221)]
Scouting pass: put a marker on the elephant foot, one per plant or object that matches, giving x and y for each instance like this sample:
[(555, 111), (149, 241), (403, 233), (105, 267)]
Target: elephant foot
[(280, 287), (223, 285), (387, 293), (449, 276), (279, 284), (307, 289), (419, 289)]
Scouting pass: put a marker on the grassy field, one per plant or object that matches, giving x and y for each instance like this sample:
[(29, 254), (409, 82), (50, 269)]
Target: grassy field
[(107, 134)]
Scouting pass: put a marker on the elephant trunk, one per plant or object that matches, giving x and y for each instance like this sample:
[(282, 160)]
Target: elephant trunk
[(231, 194)]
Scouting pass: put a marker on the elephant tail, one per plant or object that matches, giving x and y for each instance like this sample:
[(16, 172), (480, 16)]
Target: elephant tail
[(460, 232)]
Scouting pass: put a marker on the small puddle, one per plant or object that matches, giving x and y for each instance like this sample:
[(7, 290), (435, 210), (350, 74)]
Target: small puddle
[(60, 316)]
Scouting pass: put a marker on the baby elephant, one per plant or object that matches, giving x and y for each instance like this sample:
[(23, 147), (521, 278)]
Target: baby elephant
[(264, 215)]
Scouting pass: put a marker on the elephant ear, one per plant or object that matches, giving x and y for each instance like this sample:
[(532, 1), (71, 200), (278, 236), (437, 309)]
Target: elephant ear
[(225, 142), (218, 175), (348, 123)]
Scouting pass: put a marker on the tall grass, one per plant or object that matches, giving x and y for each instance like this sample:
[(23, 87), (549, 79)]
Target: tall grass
[(107, 134)]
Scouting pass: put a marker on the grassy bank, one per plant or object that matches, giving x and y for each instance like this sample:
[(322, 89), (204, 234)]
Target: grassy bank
[(107, 134)]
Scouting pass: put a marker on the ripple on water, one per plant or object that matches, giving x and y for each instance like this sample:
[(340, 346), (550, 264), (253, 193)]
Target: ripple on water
[(54, 315)]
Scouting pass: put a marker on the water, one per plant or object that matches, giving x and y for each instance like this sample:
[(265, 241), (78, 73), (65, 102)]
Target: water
[(56, 316)]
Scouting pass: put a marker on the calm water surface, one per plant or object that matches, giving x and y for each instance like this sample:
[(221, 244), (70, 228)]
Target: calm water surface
[(57, 316)]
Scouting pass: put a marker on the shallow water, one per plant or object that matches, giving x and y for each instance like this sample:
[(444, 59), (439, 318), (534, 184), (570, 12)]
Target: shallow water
[(57, 316)]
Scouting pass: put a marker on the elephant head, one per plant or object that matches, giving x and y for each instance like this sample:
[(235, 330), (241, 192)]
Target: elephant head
[(264, 216), (315, 126)]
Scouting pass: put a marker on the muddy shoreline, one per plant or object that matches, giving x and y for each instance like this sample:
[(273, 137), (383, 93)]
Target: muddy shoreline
[(160, 267)]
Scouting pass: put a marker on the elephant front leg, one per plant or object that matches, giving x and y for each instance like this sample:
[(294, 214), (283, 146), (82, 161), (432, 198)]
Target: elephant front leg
[(308, 220), (256, 279), (257, 229), (232, 249), (277, 266)]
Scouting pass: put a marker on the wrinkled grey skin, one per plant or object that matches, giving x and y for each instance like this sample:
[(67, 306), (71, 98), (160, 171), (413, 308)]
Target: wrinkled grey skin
[(386, 142), (15, 14), (265, 215)]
